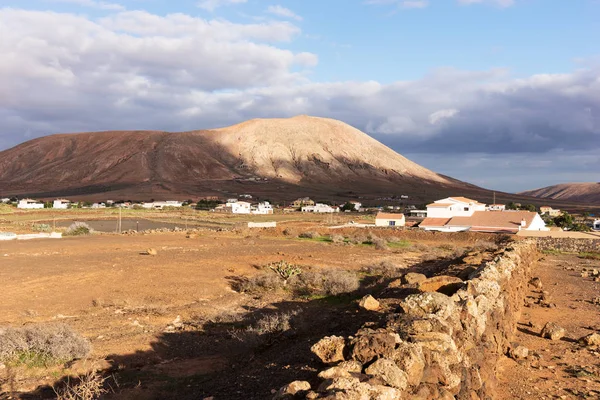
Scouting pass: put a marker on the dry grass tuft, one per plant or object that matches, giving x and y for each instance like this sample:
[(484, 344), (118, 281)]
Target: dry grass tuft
[(325, 282), (78, 229), (309, 235), (385, 269), (86, 387)]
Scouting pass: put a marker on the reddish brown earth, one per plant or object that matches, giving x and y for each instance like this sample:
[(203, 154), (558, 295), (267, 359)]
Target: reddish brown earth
[(279, 159), (576, 192), (562, 369)]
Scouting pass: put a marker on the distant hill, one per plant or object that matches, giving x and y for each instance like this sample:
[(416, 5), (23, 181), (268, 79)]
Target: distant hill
[(573, 192), (278, 159)]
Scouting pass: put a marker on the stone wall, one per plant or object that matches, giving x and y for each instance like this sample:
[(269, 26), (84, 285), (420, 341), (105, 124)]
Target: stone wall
[(569, 245), (434, 346)]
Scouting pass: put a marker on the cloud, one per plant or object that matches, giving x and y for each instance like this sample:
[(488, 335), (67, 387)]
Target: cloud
[(211, 5), (102, 5), (501, 3), (283, 12), (414, 4), (136, 70)]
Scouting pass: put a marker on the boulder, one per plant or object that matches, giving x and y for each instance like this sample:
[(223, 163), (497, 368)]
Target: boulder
[(552, 331), (369, 303), (425, 304), (413, 277), (410, 359), (330, 349), (518, 352), (291, 390), (536, 283), (346, 369), (389, 372), (592, 339), (367, 347)]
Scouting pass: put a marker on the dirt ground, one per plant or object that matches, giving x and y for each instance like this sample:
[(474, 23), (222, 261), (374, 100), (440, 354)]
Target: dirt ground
[(171, 326), (164, 320), (562, 369)]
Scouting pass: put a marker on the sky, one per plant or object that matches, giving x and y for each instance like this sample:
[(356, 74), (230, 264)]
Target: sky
[(504, 94)]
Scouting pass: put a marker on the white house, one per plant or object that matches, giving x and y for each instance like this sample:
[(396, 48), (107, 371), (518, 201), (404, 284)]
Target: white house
[(262, 208), (238, 207), (61, 204), (454, 207), (488, 221), (496, 207), (418, 213), (30, 204), (320, 208), (389, 219), (552, 212), (5, 200), (98, 205), (596, 225), (159, 205)]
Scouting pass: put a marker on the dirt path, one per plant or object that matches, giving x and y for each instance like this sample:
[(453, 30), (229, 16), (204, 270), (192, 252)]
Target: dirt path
[(564, 368)]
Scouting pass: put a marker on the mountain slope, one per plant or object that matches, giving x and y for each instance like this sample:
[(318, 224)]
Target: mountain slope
[(576, 192), (277, 157)]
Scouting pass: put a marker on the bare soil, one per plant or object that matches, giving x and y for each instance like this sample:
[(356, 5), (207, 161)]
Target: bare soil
[(562, 369)]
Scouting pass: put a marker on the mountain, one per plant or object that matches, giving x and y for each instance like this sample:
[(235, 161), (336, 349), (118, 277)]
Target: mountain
[(270, 158), (576, 192)]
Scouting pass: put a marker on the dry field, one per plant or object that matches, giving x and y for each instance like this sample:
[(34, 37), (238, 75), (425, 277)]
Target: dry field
[(204, 316)]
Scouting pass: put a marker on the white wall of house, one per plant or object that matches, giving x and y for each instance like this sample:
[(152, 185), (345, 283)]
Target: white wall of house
[(240, 207), (537, 224), (390, 222), (61, 204), (320, 208), (263, 208), (29, 204), (449, 207)]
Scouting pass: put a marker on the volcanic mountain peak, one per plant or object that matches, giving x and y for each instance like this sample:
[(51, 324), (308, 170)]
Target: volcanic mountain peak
[(312, 154)]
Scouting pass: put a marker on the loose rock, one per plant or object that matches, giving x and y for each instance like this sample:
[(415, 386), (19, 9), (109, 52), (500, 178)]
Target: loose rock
[(591, 339), (389, 372), (369, 303), (552, 331), (330, 349), (536, 283), (413, 277), (518, 352), (151, 252), (292, 389)]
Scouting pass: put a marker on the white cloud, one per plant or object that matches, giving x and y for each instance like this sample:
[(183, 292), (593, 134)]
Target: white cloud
[(283, 12), (103, 5), (137, 70), (414, 4), (211, 5), (440, 115), (501, 3)]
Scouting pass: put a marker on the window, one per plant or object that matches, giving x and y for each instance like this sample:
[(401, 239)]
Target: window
[(392, 223), (466, 209)]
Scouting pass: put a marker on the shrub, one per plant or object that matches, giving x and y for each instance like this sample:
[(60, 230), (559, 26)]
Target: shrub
[(309, 235), (338, 239), (325, 282), (41, 227), (78, 229), (386, 269), (379, 243), (259, 283), (359, 239), (289, 232), (86, 387), (42, 345), (273, 323)]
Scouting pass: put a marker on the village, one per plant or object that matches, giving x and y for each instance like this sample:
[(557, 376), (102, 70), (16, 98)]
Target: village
[(451, 214)]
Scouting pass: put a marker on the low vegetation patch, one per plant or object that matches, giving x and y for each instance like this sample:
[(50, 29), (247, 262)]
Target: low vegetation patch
[(328, 282), (272, 323), (285, 270), (85, 387), (385, 269), (78, 229), (309, 235), (41, 345), (590, 256)]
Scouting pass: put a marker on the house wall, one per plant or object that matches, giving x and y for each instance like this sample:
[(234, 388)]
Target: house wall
[(537, 224), (386, 222), (30, 206)]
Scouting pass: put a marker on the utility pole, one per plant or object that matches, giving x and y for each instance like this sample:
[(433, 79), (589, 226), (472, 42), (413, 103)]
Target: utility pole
[(120, 208)]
